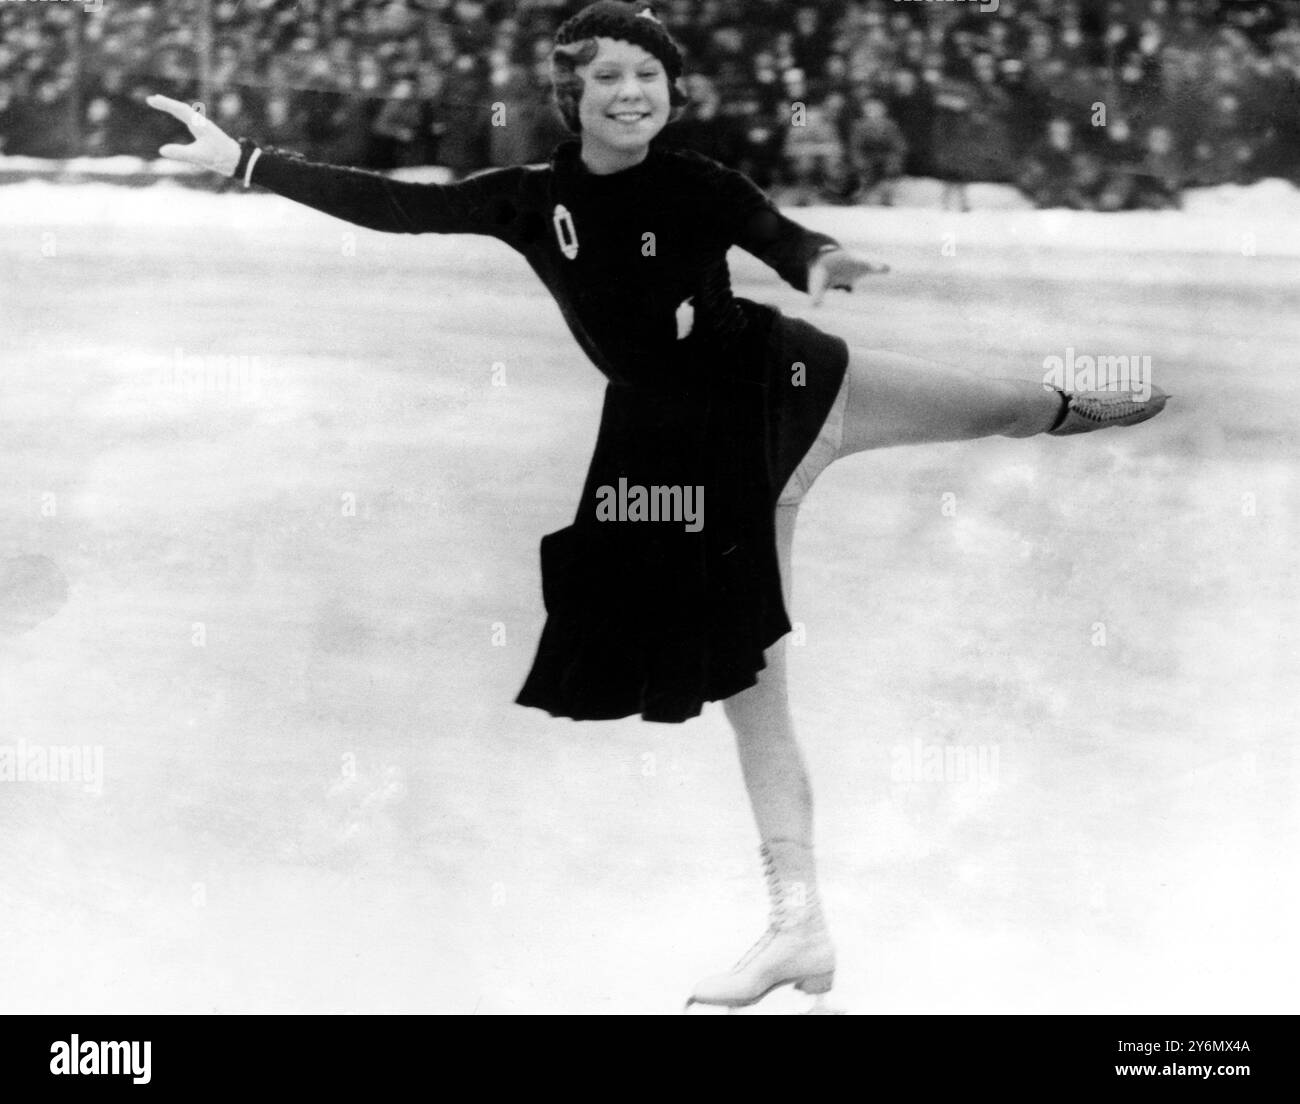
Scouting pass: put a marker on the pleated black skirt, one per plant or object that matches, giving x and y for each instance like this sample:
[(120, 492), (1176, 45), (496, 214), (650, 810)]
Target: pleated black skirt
[(652, 617)]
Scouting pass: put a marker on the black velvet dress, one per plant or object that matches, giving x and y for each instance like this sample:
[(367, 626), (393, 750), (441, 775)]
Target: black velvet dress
[(652, 615)]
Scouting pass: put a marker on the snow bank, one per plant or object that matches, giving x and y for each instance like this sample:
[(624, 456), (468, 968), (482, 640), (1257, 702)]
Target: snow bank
[(1261, 219)]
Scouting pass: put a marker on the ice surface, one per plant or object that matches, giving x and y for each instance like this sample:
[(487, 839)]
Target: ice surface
[(292, 475)]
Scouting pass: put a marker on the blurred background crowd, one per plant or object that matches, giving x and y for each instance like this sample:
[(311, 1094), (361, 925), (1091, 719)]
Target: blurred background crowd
[(1097, 104)]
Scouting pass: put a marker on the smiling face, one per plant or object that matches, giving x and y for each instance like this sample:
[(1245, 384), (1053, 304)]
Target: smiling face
[(625, 101)]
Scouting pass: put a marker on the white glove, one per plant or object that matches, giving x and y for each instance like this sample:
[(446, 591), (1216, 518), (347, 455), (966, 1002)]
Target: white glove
[(212, 147)]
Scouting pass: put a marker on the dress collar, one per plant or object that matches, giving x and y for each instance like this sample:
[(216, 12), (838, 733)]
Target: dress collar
[(567, 161)]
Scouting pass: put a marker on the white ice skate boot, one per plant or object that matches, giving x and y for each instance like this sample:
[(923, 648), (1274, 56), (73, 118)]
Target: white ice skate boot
[(796, 948), (1084, 411)]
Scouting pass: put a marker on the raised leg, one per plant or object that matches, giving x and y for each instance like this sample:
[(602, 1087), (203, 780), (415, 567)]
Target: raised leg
[(894, 399)]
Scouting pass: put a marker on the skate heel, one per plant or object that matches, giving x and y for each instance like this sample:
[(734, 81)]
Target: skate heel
[(817, 984)]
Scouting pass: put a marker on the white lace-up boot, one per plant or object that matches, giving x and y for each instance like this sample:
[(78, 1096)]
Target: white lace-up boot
[(796, 948)]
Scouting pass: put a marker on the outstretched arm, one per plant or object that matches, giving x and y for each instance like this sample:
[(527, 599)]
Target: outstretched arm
[(472, 206), (805, 259)]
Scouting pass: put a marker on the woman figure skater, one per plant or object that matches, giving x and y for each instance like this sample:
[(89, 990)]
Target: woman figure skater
[(669, 589)]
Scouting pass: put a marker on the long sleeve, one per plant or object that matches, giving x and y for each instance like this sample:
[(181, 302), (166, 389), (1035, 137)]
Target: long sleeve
[(482, 204), (758, 227), (784, 245)]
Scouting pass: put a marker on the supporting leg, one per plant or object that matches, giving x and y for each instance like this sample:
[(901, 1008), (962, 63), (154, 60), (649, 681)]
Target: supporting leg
[(770, 760), (796, 948)]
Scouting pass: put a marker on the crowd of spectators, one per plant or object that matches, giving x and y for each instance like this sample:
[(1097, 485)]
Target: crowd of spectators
[(1104, 104)]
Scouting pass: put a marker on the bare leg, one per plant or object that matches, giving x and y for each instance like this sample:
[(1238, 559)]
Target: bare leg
[(796, 948), (770, 760), (896, 399)]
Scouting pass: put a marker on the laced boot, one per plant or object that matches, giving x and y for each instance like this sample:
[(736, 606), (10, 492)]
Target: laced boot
[(796, 948), (1084, 411)]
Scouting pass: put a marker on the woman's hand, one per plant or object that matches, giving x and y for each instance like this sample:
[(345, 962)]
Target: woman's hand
[(212, 147), (838, 268)]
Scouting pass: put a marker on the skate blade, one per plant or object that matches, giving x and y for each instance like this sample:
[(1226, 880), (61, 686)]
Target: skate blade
[(821, 1008), (816, 987)]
